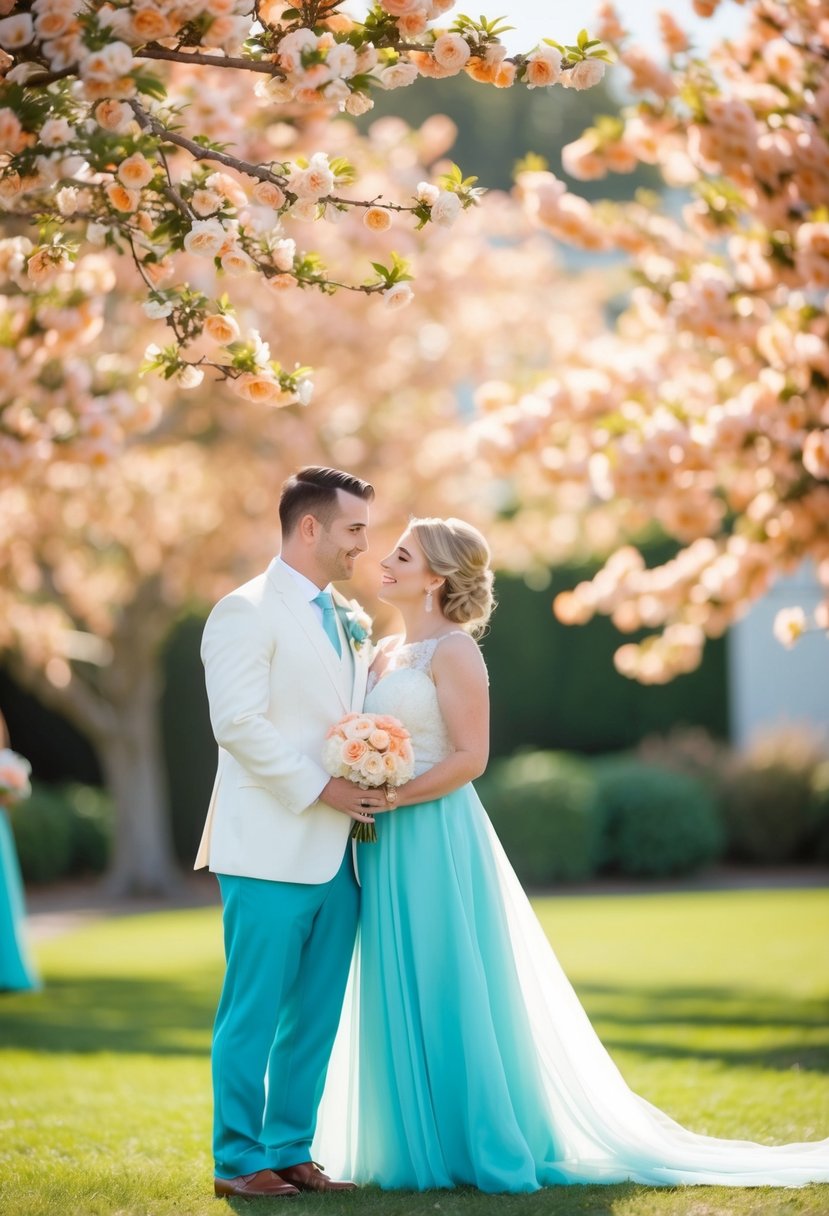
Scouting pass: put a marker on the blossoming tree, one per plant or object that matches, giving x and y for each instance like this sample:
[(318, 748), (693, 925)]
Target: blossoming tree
[(107, 552), (704, 409), (154, 132)]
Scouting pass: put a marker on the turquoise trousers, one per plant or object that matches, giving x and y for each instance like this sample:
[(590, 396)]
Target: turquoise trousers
[(288, 948)]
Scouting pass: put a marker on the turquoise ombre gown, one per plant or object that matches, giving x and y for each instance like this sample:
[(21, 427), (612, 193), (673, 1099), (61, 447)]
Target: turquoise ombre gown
[(464, 1056), (17, 972)]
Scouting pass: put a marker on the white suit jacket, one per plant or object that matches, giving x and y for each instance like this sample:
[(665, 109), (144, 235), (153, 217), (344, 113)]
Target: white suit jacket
[(275, 685)]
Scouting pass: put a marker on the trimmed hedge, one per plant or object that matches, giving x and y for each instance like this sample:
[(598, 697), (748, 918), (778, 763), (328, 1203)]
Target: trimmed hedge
[(655, 822), (543, 807), (62, 830), (772, 800)]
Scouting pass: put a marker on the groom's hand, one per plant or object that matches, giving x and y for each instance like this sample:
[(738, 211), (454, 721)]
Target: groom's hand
[(349, 799)]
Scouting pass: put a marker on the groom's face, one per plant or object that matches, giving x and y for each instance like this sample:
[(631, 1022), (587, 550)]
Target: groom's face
[(341, 541)]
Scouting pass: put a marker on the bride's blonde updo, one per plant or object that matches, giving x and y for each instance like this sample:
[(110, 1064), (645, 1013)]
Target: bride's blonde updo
[(458, 553)]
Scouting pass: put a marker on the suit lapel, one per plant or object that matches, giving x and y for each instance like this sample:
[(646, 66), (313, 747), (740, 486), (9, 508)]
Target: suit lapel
[(357, 672), (291, 596)]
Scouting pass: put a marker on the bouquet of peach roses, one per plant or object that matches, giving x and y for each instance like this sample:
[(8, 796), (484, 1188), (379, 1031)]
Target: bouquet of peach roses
[(372, 750), (14, 777)]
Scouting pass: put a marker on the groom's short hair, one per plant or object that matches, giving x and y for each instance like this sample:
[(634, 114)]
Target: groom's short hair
[(313, 491)]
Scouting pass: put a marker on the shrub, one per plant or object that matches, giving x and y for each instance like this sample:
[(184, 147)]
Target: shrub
[(690, 750), (91, 815), (772, 799), (543, 807), (62, 830), (42, 828), (818, 846), (656, 822)]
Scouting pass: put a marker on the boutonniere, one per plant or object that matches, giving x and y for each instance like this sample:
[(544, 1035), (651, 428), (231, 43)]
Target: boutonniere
[(357, 624)]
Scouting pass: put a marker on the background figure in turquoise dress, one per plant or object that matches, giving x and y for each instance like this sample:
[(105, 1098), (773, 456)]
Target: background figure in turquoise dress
[(17, 971), (464, 1056)]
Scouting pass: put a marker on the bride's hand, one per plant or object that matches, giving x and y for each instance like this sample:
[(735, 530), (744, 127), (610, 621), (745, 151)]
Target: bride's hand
[(349, 799)]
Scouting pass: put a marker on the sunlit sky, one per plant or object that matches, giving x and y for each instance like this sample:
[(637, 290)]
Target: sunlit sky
[(536, 19)]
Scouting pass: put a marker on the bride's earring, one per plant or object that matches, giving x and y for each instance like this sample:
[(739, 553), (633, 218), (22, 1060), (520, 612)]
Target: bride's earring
[(429, 599)]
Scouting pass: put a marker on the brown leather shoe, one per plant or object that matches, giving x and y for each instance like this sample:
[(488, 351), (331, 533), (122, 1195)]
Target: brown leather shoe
[(251, 1186), (307, 1176)]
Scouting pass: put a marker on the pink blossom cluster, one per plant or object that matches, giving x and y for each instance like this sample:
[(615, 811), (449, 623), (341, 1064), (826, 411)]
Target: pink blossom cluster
[(151, 131), (711, 411)]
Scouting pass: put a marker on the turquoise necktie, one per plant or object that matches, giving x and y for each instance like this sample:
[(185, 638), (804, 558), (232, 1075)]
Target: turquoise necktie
[(329, 619)]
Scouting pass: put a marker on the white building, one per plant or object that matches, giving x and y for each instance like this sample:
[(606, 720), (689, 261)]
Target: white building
[(769, 685)]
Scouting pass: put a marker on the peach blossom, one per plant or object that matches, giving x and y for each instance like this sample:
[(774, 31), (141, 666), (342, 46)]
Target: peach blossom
[(122, 198), (113, 115), (267, 194), (16, 32), (377, 219), (543, 67), (221, 328), (451, 52), (136, 171), (148, 23)]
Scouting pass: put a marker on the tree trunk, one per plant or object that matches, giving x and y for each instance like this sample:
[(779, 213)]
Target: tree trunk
[(143, 862)]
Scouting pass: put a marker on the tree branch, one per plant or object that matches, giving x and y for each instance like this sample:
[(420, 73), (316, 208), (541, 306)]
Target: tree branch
[(77, 701), (153, 51)]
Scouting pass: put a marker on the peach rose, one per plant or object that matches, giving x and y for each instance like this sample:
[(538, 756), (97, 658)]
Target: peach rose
[(399, 75), (16, 31), (543, 67), (360, 728), (315, 181), (377, 219), (401, 8), (12, 778), (228, 187), (385, 722), (398, 296), (354, 750), (205, 238), (451, 52), (446, 208), (111, 63), (357, 104), (505, 76), (372, 768), (256, 387), (113, 115), (412, 25), (45, 263), (54, 22), (148, 23), (268, 195), (379, 740), (585, 74), (121, 198), (221, 328), (56, 132), (136, 171), (236, 261), (12, 136), (206, 202)]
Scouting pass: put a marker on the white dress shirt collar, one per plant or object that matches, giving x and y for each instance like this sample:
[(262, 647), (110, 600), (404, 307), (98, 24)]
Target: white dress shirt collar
[(308, 588)]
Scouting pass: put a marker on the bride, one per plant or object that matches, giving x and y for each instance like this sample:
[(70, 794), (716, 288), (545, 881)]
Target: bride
[(464, 1056)]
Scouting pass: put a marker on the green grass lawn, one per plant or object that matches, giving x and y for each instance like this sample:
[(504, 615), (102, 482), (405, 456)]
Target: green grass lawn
[(714, 1006)]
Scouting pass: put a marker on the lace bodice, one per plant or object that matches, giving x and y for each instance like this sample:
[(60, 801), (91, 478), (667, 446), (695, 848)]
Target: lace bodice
[(406, 690)]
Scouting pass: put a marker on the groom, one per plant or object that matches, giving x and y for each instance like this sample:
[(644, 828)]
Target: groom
[(283, 662)]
